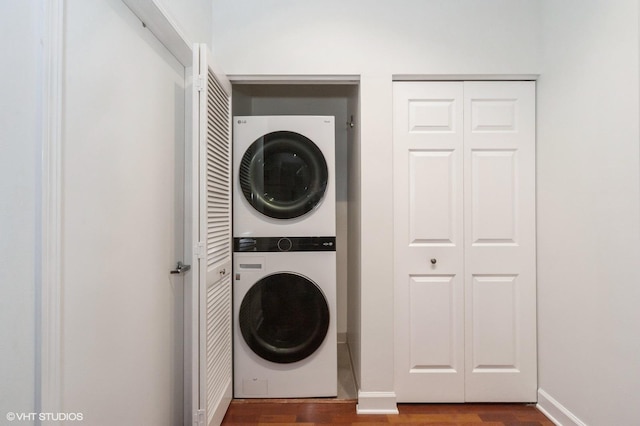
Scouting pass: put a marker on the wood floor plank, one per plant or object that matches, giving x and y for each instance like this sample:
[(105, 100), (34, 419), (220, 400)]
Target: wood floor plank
[(435, 418), (319, 412)]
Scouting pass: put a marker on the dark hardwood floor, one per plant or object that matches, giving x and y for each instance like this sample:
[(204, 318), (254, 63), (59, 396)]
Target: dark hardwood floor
[(331, 412)]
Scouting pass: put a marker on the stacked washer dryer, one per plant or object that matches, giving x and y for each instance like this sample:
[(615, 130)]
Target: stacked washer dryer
[(284, 292)]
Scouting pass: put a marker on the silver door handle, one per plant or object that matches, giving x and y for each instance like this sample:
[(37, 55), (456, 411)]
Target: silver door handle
[(180, 268)]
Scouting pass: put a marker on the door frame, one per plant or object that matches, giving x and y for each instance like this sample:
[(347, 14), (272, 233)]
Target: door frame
[(49, 332)]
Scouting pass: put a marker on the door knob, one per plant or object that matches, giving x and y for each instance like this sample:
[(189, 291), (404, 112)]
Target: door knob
[(180, 268), (434, 261)]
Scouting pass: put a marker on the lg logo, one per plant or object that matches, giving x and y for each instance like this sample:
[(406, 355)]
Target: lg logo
[(242, 121)]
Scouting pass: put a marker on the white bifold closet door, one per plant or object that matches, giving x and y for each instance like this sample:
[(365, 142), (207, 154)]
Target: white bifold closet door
[(212, 369), (464, 203)]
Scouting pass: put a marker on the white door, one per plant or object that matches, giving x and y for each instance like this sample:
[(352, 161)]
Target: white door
[(122, 225), (210, 296), (500, 280), (429, 244), (464, 158)]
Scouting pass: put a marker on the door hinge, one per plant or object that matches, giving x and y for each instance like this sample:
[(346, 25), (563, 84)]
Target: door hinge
[(199, 250), (198, 418), (199, 83)]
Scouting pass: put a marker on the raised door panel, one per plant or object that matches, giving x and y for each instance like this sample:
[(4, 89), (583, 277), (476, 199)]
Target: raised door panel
[(495, 331), (500, 296), (434, 324), (432, 196), (494, 207), (432, 115), (494, 115)]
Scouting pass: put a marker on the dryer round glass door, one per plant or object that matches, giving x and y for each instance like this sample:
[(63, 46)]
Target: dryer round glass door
[(284, 318), (283, 175)]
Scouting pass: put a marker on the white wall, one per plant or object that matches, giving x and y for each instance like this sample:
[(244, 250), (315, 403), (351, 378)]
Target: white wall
[(192, 17), (19, 148), (382, 37), (376, 40), (589, 211)]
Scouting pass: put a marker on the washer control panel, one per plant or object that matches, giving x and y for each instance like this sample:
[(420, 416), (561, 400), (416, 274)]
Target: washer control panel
[(284, 244)]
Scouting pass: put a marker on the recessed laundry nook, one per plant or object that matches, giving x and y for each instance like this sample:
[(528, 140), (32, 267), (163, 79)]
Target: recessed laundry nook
[(280, 140)]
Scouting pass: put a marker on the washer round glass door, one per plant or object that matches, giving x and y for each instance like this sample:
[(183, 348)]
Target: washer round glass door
[(284, 318), (283, 175)]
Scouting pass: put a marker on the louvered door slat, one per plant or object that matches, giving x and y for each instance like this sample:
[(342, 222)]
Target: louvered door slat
[(218, 135), (215, 151), (216, 183), (215, 163)]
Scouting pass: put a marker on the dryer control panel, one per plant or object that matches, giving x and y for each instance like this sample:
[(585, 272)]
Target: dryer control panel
[(284, 244)]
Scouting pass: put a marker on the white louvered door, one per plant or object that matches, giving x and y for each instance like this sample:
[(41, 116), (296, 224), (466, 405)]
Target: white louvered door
[(212, 128)]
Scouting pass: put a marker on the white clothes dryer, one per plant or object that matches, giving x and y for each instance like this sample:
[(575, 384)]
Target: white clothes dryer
[(284, 176), (285, 343)]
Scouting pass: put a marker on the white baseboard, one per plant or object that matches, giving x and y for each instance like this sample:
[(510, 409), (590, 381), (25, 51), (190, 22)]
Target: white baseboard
[(376, 403), (556, 412)]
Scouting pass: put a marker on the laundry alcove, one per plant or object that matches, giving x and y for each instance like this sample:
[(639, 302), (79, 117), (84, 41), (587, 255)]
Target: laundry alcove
[(340, 99)]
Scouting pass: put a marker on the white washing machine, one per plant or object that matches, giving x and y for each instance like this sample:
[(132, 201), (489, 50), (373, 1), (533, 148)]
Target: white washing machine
[(285, 343), (284, 176)]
